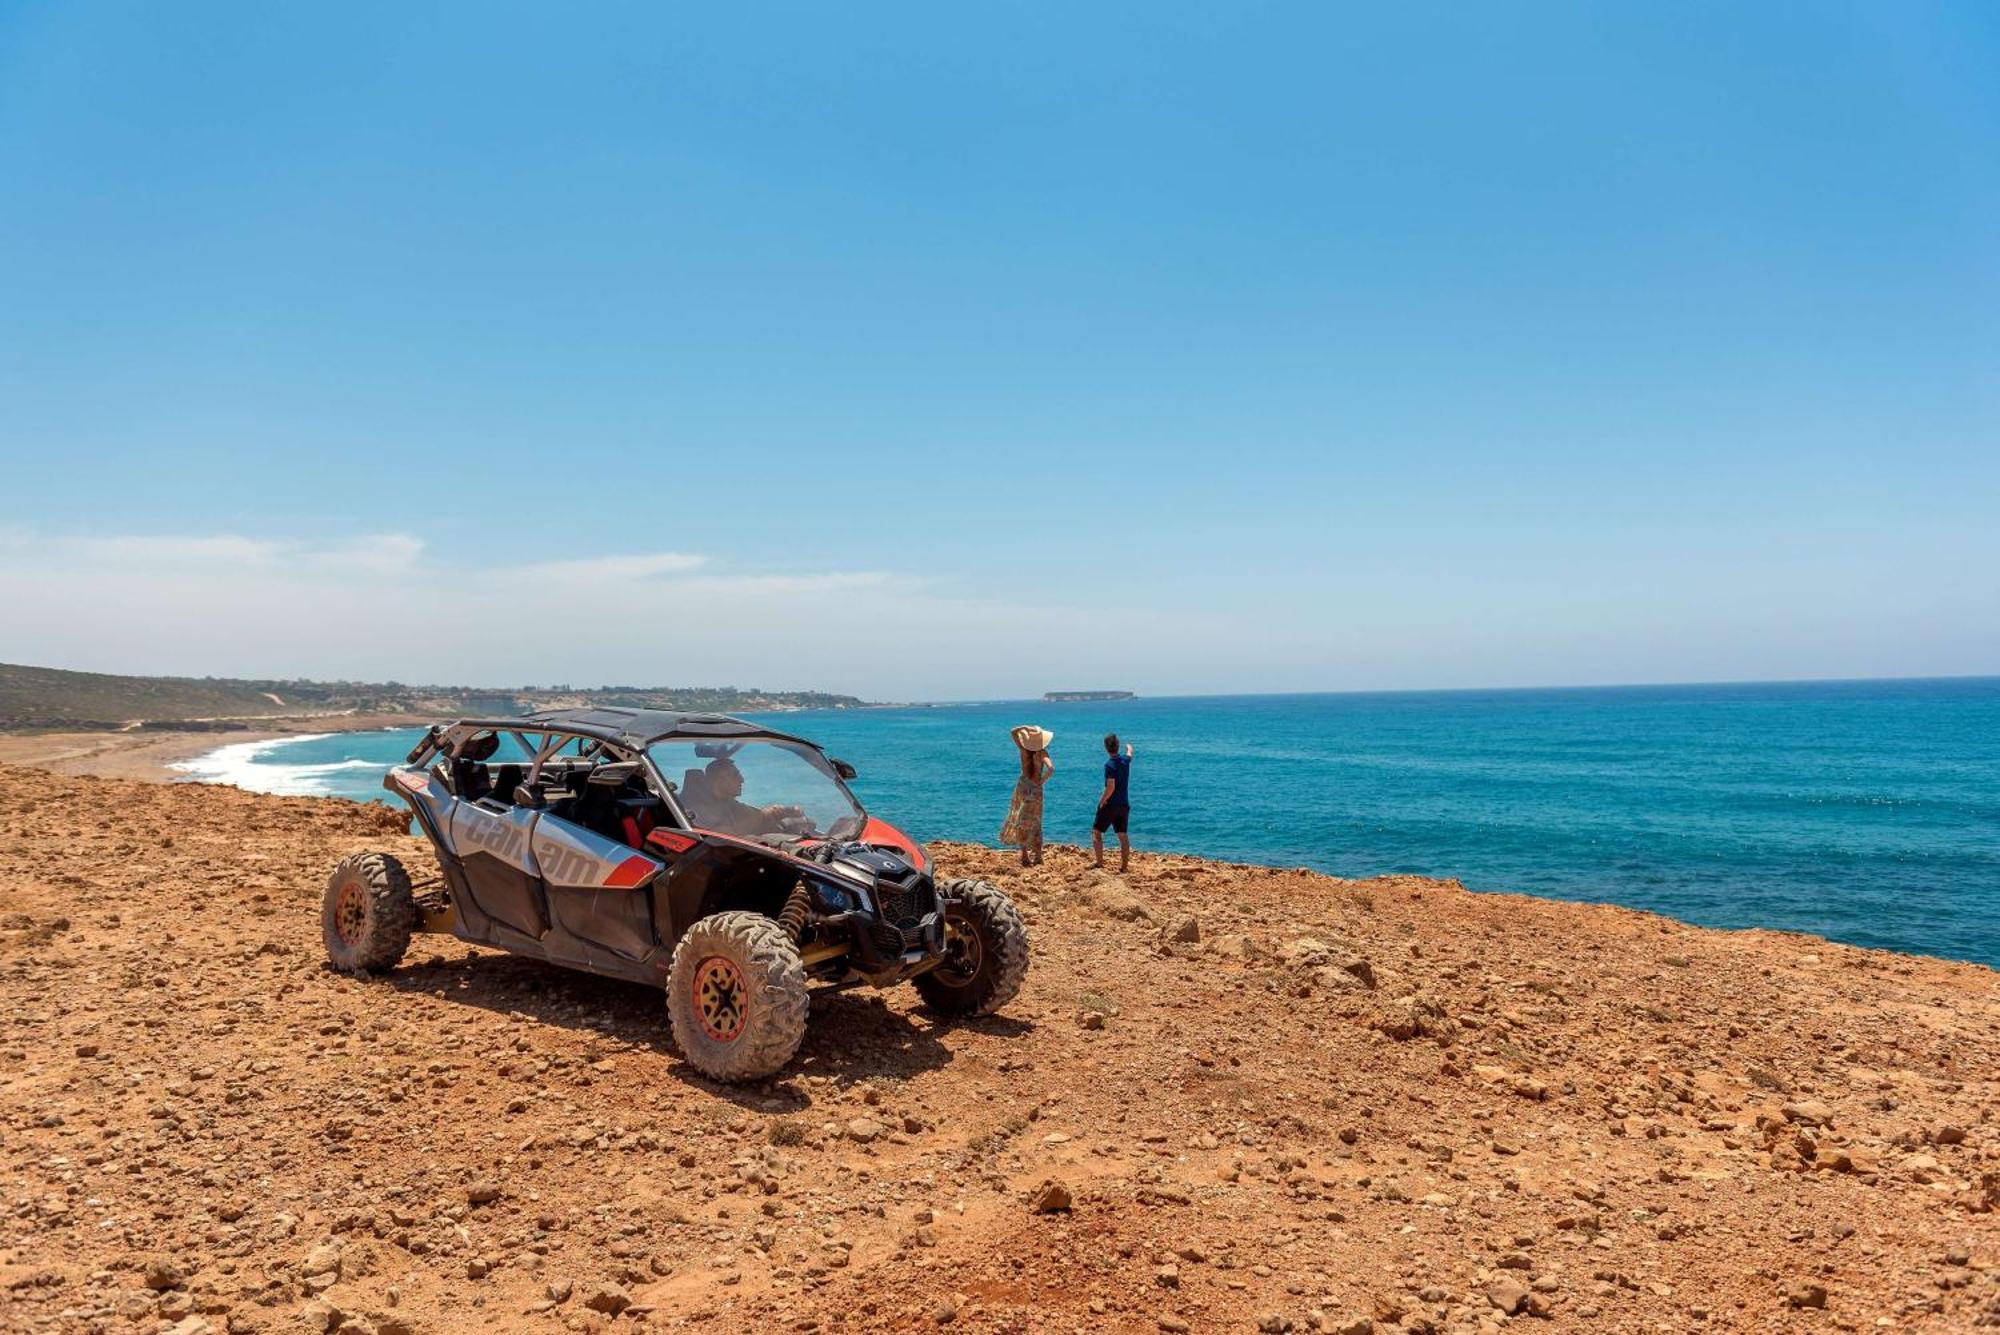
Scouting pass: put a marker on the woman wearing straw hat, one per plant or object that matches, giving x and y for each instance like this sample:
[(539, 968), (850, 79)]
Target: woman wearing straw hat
[(1023, 825)]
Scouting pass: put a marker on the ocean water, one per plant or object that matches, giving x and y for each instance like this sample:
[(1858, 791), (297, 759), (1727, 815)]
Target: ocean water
[(1868, 812)]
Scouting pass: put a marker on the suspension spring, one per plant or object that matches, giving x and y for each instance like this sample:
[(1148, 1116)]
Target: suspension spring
[(798, 909)]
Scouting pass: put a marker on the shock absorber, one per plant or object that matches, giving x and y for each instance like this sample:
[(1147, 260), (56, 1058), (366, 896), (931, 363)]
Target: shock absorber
[(797, 911)]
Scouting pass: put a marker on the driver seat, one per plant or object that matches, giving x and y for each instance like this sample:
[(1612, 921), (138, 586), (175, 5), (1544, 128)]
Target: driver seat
[(694, 795)]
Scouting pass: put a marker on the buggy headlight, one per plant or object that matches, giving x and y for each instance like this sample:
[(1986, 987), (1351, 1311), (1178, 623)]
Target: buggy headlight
[(858, 875), (834, 899)]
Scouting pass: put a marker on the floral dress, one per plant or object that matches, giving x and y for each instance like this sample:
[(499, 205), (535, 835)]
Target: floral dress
[(1023, 826)]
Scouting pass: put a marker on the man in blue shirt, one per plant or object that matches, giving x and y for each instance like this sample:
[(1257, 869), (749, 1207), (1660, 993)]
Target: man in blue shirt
[(1114, 804)]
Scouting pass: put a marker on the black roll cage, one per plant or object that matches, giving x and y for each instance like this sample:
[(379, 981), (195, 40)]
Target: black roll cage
[(543, 736)]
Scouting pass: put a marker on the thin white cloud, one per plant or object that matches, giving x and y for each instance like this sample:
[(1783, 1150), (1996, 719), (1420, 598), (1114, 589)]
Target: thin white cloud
[(385, 606), (219, 551), (382, 606), (833, 581), (214, 550), (381, 553), (651, 565)]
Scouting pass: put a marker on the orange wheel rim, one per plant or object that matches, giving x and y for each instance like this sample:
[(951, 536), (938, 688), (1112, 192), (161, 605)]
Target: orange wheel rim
[(721, 1001), (350, 913), (963, 952)]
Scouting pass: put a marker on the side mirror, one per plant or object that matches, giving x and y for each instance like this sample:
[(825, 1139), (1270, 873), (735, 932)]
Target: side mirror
[(843, 769)]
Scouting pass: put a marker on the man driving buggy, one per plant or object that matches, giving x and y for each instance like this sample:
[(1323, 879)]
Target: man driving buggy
[(718, 804)]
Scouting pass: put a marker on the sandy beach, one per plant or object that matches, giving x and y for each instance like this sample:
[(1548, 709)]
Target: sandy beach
[(150, 753), (1274, 1100)]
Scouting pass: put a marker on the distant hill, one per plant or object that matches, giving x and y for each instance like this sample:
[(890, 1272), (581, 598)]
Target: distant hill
[(51, 698)]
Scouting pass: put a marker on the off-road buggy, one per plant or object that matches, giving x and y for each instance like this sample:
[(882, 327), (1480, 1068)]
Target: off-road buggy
[(620, 842)]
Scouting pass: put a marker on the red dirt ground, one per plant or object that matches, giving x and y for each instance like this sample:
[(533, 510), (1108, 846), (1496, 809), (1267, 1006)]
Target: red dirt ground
[(1347, 1106)]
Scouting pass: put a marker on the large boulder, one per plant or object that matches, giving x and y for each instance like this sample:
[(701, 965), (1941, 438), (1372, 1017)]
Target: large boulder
[(1406, 1018), (1112, 897)]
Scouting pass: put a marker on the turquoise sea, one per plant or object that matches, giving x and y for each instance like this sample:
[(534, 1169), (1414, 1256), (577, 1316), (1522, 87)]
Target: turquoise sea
[(1868, 812)]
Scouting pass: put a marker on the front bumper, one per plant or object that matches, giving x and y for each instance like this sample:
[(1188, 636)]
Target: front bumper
[(884, 953)]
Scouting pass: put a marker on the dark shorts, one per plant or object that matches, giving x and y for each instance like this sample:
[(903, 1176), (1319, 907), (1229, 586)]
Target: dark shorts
[(1111, 818)]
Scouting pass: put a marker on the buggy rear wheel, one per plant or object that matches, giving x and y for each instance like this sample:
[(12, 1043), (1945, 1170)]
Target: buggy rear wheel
[(986, 951), (736, 996), (367, 913)]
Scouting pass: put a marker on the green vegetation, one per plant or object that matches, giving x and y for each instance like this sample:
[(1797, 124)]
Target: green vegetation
[(34, 698)]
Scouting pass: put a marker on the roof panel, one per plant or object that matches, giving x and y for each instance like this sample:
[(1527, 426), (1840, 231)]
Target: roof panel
[(638, 727)]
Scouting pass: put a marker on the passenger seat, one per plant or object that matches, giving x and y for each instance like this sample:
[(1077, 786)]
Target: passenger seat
[(470, 780), (505, 780)]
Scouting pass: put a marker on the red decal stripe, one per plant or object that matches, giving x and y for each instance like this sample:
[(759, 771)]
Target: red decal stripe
[(630, 872), (673, 841)]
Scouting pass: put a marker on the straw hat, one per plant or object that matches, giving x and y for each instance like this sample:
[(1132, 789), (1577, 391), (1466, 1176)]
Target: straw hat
[(1030, 738)]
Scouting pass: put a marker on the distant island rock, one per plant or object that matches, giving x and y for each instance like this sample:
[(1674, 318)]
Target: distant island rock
[(1065, 697)]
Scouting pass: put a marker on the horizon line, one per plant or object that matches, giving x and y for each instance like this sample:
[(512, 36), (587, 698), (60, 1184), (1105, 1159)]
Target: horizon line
[(1450, 690)]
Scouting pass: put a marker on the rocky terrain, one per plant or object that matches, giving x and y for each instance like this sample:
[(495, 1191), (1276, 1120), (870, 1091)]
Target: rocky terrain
[(1230, 1098)]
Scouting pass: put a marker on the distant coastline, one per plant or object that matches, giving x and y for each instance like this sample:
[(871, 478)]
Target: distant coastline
[(151, 727), (1073, 697), (39, 699)]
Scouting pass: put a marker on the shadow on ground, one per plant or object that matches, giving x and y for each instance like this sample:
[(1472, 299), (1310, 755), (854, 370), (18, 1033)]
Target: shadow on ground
[(853, 1036)]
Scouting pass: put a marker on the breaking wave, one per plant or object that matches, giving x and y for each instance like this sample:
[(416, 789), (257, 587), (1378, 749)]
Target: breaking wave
[(243, 765)]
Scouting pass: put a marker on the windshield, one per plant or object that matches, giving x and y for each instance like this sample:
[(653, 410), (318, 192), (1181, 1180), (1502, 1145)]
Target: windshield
[(753, 788)]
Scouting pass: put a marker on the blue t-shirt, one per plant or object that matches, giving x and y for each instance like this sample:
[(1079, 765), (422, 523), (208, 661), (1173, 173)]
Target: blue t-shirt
[(1118, 769)]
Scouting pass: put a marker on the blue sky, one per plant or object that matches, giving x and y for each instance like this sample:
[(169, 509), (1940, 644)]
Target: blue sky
[(1250, 347)]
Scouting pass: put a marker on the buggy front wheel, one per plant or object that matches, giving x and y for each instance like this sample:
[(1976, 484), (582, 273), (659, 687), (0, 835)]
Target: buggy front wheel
[(736, 996), (986, 951)]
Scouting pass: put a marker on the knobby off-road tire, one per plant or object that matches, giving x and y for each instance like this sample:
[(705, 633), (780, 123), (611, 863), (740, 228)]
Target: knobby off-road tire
[(736, 994), (988, 947), (368, 913)]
